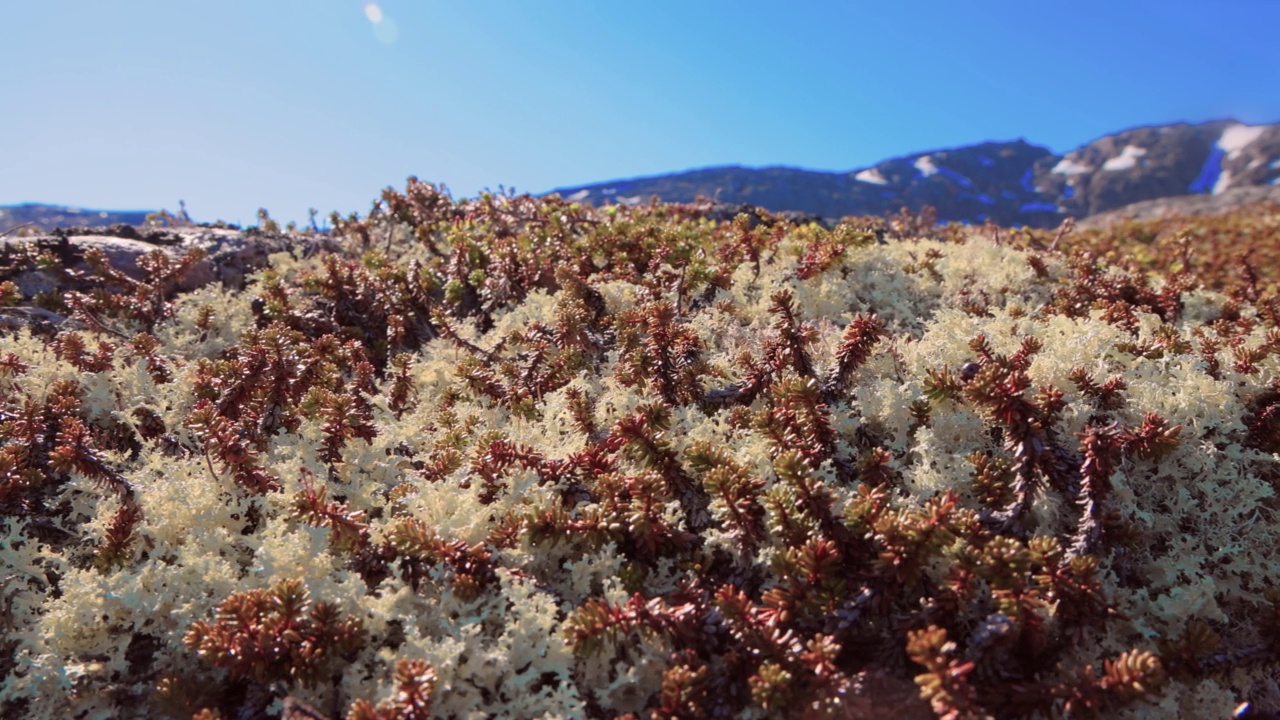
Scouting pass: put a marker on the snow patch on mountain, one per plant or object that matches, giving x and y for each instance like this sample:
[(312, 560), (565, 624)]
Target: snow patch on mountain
[(1224, 182), (871, 175), (925, 165), (1237, 137), (1126, 160), (1067, 166), (579, 196), (1213, 178)]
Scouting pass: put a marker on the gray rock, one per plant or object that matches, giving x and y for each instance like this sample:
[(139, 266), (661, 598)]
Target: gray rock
[(230, 255)]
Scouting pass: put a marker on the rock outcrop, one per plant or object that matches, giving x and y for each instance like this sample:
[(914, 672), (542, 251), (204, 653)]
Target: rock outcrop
[(228, 257)]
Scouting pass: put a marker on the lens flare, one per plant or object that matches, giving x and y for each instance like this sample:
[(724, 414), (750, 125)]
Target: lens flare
[(384, 28)]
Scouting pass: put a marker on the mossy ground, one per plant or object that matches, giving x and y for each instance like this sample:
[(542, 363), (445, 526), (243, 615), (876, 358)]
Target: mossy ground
[(517, 457)]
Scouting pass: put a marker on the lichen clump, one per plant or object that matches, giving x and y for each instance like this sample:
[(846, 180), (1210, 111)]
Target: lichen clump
[(516, 457)]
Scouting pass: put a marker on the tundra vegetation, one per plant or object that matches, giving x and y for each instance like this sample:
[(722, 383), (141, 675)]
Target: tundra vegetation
[(516, 457)]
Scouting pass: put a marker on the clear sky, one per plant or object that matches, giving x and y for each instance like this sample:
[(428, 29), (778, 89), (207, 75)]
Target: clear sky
[(233, 105)]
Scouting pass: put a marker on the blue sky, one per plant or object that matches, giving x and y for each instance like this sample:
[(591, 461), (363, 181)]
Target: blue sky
[(291, 104)]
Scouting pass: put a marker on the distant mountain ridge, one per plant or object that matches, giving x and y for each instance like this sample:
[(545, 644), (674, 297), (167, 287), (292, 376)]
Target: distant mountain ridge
[(48, 217), (1009, 183)]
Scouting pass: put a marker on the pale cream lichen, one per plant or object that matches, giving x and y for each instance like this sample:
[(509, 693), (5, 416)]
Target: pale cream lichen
[(1203, 512)]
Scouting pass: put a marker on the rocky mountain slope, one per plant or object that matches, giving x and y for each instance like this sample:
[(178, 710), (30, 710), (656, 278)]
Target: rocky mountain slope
[(1186, 206), (1010, 183)]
